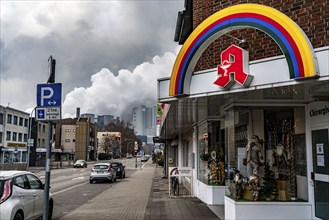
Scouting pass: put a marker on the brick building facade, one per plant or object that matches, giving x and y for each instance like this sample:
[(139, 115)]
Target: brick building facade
[(311, 16)]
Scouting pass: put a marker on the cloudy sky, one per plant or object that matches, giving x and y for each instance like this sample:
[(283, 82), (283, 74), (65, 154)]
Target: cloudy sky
[(109, 54)]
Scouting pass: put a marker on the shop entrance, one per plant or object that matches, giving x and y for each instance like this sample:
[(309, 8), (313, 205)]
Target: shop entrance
[(320, 175)]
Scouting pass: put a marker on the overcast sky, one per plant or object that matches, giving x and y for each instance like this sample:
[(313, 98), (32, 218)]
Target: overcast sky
[(109, 54)]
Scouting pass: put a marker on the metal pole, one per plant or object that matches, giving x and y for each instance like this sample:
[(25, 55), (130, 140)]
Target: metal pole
[(29, 140), (47, 174)]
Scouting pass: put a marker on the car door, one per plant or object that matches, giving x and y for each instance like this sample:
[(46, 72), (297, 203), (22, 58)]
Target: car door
[(24, 195), (37, 190)]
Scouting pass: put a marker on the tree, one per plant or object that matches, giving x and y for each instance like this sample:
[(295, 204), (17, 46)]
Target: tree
[(127, 133), (269, 187)]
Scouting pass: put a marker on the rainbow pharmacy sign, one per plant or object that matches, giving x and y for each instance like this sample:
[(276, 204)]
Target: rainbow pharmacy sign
[(293, 42)]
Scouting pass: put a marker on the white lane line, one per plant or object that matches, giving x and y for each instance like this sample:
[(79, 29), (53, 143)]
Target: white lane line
[(72, 187)]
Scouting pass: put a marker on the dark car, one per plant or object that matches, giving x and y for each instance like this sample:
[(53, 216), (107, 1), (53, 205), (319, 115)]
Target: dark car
[(119, 168), (80, 163)]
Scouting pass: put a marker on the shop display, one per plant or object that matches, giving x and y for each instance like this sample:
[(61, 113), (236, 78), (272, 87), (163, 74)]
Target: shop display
[(239, 185), (269, 187), (254, 158), (254, 185)]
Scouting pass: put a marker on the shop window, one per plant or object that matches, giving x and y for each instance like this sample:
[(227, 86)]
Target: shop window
[(266, 150), (211, 168)]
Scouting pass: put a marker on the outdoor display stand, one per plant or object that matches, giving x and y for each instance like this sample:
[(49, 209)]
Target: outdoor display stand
[(176, 175)]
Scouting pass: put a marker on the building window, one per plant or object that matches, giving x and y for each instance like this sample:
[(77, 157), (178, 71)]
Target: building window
[(21, 120), (67, 130), (44, 128), (15, 120), (14, 136), (20, 137), (25, 137), (9, 119), (67, 140), (26, 122), (73, 140), (8, 136), (43, 143), (39, 127)]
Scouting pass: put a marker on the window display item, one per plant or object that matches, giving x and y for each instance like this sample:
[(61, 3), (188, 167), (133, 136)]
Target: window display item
[(239, 185), (254, 158), (254, 185)]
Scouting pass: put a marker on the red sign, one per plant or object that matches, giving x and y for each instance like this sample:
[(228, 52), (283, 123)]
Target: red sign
[(234, 68)]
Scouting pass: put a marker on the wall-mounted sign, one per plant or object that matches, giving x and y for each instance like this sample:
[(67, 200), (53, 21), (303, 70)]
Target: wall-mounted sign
[(291, 39), (234, 68)]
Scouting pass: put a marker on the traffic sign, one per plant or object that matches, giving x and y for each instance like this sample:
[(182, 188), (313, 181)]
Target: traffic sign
[(49, 95), (48, 113)]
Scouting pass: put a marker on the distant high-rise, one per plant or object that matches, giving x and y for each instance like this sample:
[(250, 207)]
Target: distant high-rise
[(144, 120), (103, 120)]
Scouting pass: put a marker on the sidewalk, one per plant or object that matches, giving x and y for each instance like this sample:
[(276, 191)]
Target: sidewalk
[(145, 198), (161, 207)]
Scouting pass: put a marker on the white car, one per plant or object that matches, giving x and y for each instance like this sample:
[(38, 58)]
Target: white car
[(102, 172), (21, 196)]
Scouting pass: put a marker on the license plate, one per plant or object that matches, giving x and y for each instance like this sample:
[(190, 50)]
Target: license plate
[(100, 172)]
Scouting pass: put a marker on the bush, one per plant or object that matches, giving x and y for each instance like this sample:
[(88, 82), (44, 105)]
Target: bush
[(104, 156), (160, 162)]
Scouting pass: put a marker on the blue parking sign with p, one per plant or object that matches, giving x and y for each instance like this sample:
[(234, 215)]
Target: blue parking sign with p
[(49, 95)]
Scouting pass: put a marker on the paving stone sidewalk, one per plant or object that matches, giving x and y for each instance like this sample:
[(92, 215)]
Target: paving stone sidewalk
[(161, 207), (145, 198)]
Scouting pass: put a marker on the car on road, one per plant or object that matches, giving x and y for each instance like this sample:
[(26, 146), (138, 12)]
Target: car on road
[(22, 196), (119, 168), (80, 163), (129, 156), (102, 172), (144, 158)]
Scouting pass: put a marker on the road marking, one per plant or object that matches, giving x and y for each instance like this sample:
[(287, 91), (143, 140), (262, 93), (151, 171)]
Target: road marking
[(78, 178), (72, 187)]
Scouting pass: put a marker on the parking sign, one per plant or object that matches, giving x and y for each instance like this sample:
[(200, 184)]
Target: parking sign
[(49, 102), (49, 95)]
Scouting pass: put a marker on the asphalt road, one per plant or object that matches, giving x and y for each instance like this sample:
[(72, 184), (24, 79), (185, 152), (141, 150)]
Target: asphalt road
[(70, 187)]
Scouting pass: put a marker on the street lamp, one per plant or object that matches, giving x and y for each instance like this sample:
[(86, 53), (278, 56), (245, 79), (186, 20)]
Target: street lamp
[(29, 139)]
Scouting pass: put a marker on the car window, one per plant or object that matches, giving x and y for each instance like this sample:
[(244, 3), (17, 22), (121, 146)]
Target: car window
[(21, 182), (114, 164), (101, 167), (34, 182)]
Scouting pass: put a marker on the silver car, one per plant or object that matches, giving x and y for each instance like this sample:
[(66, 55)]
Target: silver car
[(102, 172), (21, 196)]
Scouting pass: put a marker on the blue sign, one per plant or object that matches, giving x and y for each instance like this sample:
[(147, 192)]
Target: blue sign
[(41, 115), (49, 95)]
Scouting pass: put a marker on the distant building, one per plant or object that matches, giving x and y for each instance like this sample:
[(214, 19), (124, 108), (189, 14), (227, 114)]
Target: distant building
[(144, 120), (90, 116), (103, 120), (14, 129), (76, 138)]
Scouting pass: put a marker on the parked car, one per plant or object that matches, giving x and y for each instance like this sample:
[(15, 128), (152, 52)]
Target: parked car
[(129, 156), (119, 168), (80, 163), (22, 195), (144, 158), (102, 172)]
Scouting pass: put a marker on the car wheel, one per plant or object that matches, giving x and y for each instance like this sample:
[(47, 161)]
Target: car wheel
[(18, 216), (91, 182), (124, 175), (50, 212)]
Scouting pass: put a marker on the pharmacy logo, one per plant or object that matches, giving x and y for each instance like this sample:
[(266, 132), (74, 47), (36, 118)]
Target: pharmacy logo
[(234, 68)]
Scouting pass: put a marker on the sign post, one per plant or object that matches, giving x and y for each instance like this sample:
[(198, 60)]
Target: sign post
[(49, 101)]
